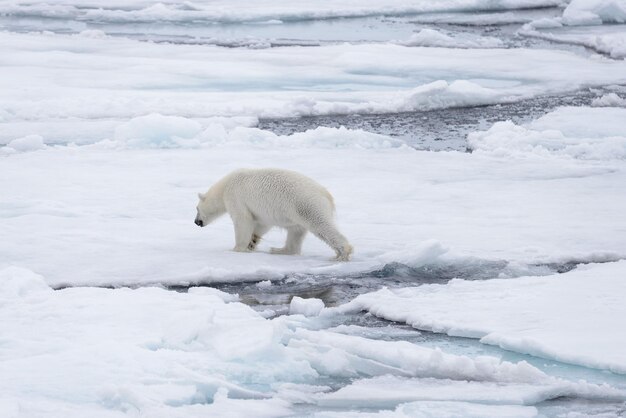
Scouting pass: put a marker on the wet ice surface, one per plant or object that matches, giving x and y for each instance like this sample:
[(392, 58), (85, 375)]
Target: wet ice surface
[(335, 290), (305, 32), (272, 299)]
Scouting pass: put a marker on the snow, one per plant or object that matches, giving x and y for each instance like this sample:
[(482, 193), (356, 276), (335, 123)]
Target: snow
[(542, 316), (306, 307)]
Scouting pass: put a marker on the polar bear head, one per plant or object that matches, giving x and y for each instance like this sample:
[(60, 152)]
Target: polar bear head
[(209, 208)]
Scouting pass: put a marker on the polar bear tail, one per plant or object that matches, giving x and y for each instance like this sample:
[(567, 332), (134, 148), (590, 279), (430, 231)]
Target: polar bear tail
[(330, 199)]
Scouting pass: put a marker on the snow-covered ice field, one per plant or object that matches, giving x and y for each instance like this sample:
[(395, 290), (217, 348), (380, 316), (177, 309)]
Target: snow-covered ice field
[(488, 280)]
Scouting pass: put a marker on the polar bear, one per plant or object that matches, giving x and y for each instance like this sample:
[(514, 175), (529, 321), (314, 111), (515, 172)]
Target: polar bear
[(259, 199)]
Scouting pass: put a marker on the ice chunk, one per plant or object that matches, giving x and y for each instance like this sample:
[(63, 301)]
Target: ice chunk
[(25, 144), (610, 41), (264, 284), (352, 356), (584, 122), (158, 131), (589, 12), (427, 252), (434, 38), (389, 391), (584, 133), (306, 307), (609, 100), (16, 282), (544, 23)]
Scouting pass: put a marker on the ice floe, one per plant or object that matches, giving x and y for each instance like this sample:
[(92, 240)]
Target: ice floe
[(59, 82), (121, 212), (434, 38), (539, 316)]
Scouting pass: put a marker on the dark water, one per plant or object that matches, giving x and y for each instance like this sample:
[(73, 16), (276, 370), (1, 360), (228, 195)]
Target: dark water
[(337, 290), (443, 129)]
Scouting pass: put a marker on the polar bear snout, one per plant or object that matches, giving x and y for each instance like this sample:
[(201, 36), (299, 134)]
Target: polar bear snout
[(199, 222)]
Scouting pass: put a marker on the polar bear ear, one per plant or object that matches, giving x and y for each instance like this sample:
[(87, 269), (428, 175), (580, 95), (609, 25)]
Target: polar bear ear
[(201, 196)]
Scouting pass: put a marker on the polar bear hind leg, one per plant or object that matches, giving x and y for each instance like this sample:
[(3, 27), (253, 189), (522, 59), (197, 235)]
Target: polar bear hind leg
[(330, 235), (295, 236)]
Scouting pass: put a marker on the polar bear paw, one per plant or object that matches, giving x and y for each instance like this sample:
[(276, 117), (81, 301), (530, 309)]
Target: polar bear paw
[(344, 253), (254, 241)]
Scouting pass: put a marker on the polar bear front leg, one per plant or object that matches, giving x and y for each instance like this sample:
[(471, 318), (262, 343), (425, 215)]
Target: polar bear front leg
[(244, 227), (295, 236), (257, 234)]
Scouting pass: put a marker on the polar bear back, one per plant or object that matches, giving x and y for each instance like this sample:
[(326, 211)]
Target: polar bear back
[(278, 197)]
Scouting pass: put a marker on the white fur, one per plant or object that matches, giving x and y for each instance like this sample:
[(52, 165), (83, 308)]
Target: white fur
[(259, 199)]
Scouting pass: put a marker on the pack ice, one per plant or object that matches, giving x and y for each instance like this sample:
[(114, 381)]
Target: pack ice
[(109, 300)]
